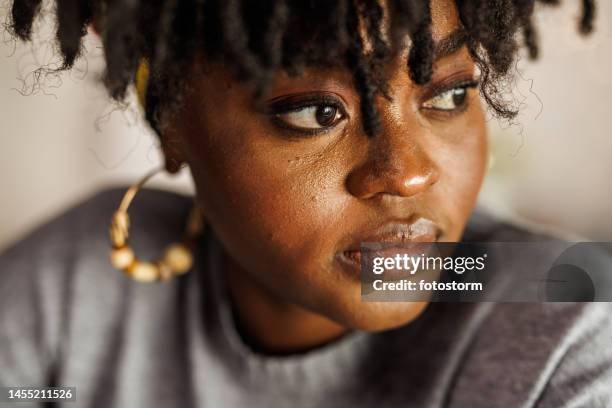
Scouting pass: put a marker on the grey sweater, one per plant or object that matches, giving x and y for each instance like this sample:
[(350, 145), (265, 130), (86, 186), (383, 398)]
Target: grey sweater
[(67, 318)]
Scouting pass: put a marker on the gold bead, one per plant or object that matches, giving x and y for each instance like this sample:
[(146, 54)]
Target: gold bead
[(122, 258), (143, 271), (178, 258)]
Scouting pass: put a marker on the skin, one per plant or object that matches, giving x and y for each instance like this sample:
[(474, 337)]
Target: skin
[(284, 205)]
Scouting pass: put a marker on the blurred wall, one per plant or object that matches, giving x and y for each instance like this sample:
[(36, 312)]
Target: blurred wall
[(554, 165), (65, 140), (61, 138)]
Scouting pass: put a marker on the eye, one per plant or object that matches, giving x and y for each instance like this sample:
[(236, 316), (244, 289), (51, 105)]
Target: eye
[(449, 100), (312, 117)]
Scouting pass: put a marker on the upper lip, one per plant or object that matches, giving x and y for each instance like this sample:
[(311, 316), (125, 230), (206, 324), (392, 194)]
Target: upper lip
[(397, 232)]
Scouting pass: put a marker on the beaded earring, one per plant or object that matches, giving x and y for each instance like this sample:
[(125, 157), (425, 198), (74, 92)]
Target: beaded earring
[(177, 258)]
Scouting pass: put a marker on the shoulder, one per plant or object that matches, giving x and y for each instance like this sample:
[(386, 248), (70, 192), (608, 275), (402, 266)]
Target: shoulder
[(539, 355), (541, 263), (41, 272), (59, 295), (76, 243)]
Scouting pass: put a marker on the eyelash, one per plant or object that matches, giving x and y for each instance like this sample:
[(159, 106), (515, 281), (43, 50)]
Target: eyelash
[(442, 89), (284, 106)]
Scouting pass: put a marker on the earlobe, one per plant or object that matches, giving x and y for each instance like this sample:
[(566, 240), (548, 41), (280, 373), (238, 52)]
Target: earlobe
[(173, 165), (94, 27), (172, 150)]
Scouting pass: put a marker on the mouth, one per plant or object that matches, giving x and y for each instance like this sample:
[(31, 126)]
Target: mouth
[(394, 238)]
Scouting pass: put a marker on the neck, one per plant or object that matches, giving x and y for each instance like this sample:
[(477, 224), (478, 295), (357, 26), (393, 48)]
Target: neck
[(270, 324)]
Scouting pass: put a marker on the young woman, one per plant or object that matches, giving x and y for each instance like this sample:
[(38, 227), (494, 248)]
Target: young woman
[(309, 127)]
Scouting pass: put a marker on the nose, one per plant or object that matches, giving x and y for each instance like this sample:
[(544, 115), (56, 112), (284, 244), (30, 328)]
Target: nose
[(396, 165)]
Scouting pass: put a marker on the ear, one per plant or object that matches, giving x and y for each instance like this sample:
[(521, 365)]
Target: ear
[(172, 149)]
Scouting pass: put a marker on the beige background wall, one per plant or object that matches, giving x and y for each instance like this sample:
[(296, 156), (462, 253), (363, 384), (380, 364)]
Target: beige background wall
[(65, 141)]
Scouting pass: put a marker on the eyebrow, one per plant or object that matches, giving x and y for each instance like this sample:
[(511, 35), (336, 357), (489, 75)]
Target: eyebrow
[(450, 44)]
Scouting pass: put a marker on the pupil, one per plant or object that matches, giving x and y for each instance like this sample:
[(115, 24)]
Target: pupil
[(325, 115), (459, 97)]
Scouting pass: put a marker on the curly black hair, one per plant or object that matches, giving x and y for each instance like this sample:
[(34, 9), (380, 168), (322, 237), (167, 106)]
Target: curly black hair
[(254, 38)]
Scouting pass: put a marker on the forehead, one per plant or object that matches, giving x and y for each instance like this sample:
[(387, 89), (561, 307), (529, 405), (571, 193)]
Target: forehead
[(445, 18)]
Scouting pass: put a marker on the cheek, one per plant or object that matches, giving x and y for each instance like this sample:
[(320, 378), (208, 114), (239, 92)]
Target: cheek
[(273, 209), (463, 164)]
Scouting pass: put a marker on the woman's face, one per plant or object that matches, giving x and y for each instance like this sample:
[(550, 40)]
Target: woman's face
[(293, 187)]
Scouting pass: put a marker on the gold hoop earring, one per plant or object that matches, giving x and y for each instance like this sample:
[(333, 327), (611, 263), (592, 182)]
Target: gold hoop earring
[(177, 258)]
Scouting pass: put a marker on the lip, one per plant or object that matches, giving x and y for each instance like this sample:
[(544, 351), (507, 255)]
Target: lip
[(393, 235)]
